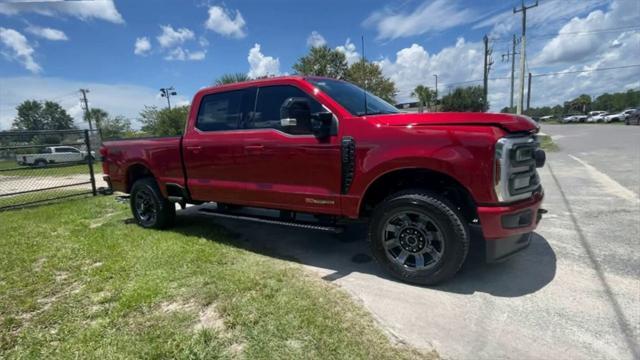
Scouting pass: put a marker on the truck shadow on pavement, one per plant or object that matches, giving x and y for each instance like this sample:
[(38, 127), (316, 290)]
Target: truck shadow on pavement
[(347, 253)]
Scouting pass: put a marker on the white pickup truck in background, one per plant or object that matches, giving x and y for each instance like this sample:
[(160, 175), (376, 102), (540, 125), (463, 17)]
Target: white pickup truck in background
[(54, 155)]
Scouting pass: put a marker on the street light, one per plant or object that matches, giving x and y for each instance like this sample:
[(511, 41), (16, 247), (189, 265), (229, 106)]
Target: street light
[(168, 92)]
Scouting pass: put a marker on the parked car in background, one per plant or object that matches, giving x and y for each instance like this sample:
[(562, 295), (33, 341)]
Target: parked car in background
[(547, 118), (621, 116), (574, 118), (634, 118), (596, 116), (54, 155)]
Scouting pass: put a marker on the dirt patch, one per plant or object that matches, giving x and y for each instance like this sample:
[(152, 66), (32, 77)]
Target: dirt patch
[(61, 275), (100, 221), (209, 318), (38, 264)]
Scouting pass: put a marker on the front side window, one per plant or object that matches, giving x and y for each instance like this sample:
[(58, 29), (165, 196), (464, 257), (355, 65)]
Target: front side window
[(268, 106), (220, 111), (352, 98)]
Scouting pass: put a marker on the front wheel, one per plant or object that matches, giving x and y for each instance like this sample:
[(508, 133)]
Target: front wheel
[(149, 207), (419, 237)]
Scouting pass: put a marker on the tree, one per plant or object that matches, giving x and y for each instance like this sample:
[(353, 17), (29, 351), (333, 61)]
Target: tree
[(165, 122), (232, 78), (98, 116), (464, 99), (582, 104), (116, 127), (37, 115), (424, 95), (368, 75), (322, 61), (29, 116)]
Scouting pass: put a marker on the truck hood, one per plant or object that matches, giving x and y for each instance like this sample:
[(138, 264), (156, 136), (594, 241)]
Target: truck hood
[(508, 122)]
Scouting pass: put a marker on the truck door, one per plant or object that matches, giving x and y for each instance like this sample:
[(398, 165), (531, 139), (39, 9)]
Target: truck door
[(291, 169), (211, 147)]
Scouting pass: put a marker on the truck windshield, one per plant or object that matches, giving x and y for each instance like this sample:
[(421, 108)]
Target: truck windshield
[(352, 98)]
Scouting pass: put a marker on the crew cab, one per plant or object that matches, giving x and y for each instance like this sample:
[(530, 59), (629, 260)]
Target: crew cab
[(54, 155), (319, 146)]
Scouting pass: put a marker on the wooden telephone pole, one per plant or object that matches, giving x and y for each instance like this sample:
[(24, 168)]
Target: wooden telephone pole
[(523, 52)]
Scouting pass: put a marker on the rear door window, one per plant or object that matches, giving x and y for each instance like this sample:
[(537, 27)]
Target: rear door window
[(220, 111)]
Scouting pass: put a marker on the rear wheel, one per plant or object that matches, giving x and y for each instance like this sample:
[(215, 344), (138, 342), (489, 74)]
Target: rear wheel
[(40, 163), (149, 207), (419, 237)]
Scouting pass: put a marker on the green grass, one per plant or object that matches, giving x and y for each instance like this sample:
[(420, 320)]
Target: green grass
[(547, 144), (44, 196), (47, 171), (78, 279)]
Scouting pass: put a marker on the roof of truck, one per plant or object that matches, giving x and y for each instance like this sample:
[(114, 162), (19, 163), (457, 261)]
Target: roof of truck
[(261, 81)]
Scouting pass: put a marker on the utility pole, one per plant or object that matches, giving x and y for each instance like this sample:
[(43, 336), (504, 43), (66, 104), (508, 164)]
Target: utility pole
[(487, 67), (523, 50), (529, 92), (511, 55), (87, 113), (436, 99), (168, 92)]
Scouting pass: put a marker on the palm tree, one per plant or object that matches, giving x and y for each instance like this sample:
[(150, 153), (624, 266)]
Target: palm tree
[(424, 95), (98, 116), (232, 78)]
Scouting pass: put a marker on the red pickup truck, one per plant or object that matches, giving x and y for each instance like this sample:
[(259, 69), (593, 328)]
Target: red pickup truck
[(324, 147)]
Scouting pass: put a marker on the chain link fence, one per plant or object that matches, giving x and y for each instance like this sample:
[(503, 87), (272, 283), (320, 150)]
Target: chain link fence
[(43, 166)]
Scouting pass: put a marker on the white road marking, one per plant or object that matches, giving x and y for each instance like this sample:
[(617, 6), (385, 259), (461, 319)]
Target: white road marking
[(613, 187)]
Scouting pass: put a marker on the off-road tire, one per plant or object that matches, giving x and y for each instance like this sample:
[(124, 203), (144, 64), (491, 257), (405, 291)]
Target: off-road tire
[(165, 211), (450, 222)]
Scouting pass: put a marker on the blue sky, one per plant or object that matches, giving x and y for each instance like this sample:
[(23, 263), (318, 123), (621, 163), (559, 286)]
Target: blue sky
[(123, 51)]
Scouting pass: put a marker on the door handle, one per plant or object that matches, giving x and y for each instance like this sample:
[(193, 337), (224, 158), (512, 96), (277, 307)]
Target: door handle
[(195, 149), (254, 147)]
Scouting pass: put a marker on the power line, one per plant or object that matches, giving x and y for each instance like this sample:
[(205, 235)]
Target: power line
[(572, 33), (541, 74), (583, 71)]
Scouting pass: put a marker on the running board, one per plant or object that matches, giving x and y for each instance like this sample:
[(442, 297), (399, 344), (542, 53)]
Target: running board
[(272, 221)]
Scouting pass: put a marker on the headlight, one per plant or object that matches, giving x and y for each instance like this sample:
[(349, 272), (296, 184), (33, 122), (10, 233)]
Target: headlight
[(515, 176)]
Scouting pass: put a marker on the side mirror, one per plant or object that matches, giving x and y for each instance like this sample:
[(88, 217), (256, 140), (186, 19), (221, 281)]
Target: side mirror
[(322, 125), (295, 112)]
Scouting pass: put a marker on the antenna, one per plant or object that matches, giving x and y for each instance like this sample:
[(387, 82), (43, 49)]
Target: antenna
[(365, 76)]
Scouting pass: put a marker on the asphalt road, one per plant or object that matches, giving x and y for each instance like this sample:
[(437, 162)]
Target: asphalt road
[(573, 294)]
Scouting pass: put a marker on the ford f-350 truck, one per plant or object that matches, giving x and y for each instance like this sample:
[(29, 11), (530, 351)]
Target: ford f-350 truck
[(309, 145)]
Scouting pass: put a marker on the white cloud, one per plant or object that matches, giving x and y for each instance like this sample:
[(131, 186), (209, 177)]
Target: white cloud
[(181, 54), (429, 16), (316, 39), (349, 51), (142, 46), (17, 48), (47, 33), (117, 99), (415, 66), (547, 15), (171, 37), (172, 42), (261, 65), (84, 10), (221, 22), (577, 41)]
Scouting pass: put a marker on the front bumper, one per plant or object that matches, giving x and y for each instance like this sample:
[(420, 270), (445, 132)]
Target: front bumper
[(507, 228)]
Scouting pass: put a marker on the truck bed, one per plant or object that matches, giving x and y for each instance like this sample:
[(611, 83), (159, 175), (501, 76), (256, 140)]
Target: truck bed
[(160, 154)]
